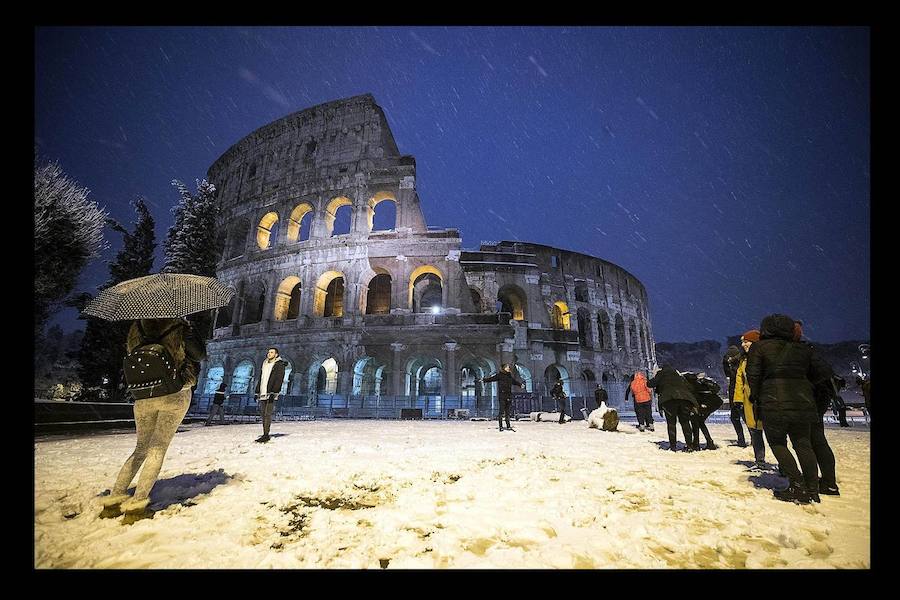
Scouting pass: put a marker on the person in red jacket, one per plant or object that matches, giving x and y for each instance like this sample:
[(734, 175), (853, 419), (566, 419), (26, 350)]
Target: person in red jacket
[(642, 405)]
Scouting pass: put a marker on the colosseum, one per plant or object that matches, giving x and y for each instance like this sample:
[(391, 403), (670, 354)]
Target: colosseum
[(379, 315)]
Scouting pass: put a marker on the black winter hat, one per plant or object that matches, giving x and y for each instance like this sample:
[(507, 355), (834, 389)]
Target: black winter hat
[(777, 326)]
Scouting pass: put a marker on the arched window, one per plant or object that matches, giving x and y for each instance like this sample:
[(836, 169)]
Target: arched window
[(288, 367), (632, 331), (620, 332), (603, 329), (419, 285), (584, 329), (378, 297), (581, 291), (554, 372), (427, 293), (382, 215), (223, 314), (512, 300), (334, 298), (299, 222), (468, 375), (364, 383), (267, 231), (329, 299), (561, 317), (431, 382), (476, 299), (237, 238), (254, 301), (287, 299), (331, 216)]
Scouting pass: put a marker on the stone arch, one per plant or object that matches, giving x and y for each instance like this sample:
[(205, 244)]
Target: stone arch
[(323, 306), (215, 375), (371, 209), (581, 291), (525, 377), (331, 212), (368, 377), (323, 376), (550, 377), (584, 328), (378, 293), (267, 230), (634, 346), (241, 377), (237, 238), (224, 314), (476, 298), (254, 301), (603, 330), (295, 222), (620, 332), (287, 299), (424, 376), (414, 277), (560, 316), (513, 300)]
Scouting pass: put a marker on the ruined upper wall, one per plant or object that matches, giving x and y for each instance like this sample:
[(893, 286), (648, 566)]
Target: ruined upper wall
[(328, 140)]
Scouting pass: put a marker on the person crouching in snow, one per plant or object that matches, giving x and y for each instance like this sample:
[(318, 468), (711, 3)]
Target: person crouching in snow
[(677, 403), (603, 418), (505, 380), (156, 419), (642, 405)]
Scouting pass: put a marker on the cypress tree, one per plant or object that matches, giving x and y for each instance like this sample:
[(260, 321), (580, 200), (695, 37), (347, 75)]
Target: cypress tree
[(193, 243)]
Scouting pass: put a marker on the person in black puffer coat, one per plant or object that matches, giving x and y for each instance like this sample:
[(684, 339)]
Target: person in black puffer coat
[(677, 403), (782, 374), (505, 380)]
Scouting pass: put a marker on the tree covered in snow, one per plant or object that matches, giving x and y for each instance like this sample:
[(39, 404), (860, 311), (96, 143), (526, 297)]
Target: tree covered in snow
[(68, 232), (103, 345), (193, 243)]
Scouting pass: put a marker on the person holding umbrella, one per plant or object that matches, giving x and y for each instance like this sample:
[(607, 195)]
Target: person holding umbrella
[(160, 336)]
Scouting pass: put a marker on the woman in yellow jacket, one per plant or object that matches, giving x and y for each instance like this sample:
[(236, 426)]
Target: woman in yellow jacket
[(742, 396)]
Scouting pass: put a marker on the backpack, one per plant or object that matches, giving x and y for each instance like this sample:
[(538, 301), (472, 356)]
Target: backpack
[(150, 369)]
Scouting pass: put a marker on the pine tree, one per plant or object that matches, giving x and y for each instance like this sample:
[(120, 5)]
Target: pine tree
[(193, 243), (103, 344), (68, 231)]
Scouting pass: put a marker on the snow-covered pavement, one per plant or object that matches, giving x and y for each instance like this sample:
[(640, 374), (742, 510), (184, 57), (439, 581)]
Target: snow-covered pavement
[(414, 494)]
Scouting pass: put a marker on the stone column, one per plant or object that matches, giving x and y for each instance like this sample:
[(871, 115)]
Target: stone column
[(398, 368), (451, 376), (318, 229), (400, 287)]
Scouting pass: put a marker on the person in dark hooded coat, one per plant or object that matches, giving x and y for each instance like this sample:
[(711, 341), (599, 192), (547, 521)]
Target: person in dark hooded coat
[(782, 374), (730, 363), (677, 403)]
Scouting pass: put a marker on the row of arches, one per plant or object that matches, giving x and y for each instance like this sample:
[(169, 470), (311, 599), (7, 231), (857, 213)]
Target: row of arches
[(425, 294), (420, 376), (336, 218)]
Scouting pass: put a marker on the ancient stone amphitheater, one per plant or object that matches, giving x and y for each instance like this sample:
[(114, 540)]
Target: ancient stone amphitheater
[(333, 263)]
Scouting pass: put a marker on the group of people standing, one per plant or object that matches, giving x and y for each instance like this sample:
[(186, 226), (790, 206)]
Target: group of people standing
[(781, 387)]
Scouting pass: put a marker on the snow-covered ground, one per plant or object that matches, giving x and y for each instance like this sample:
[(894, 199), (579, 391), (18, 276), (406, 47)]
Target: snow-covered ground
[(414, 494)]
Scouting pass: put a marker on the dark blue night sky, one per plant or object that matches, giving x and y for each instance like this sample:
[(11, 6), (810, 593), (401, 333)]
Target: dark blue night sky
[(726, 168)]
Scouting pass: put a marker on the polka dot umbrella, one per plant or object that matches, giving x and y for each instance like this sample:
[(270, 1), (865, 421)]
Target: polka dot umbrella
[(160, 296)]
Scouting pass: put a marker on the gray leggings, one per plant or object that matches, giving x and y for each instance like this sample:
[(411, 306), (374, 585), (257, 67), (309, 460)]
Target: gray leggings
[(157, 420)]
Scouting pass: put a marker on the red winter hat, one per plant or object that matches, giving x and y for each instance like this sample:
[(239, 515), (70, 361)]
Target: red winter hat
[(751, 336)]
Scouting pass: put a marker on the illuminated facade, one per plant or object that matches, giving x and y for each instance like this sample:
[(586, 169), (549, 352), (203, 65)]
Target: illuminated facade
[(399, 310)]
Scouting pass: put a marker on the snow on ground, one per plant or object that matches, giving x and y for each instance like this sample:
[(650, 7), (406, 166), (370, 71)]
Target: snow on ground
[(459, 494)]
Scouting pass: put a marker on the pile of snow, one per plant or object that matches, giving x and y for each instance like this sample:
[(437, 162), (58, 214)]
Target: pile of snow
[(460, 494)]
